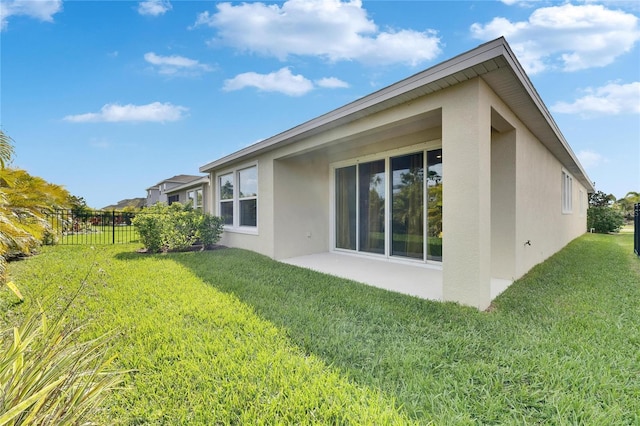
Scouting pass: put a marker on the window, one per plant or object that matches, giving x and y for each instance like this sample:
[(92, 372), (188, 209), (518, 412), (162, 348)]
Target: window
[(238, 204), (391, 206), (173, 199), (226, 198), (195, 198), (567, 192)]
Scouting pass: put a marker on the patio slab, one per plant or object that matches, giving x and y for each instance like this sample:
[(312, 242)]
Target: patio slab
[(420, 280)]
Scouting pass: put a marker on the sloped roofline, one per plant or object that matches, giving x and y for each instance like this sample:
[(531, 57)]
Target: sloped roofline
[(191, 184), (476, 62)]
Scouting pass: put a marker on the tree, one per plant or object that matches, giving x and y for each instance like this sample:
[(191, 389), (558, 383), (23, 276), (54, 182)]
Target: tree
[(25, 201), (6, 149), (626, 204), (600, 199), (602, 216)]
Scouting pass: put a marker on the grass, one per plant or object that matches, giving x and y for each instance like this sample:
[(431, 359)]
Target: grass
[(229, 336), (102, 234)]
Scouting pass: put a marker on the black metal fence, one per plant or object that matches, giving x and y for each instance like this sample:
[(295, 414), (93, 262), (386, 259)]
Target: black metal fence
[(93, 226), (636, 229)]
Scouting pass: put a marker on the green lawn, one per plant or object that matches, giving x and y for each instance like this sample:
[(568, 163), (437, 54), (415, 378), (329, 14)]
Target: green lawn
[(229, 336)]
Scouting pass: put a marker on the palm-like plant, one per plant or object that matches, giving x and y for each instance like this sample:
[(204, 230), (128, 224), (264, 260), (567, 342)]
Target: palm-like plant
[(25, 201), (6, 149)]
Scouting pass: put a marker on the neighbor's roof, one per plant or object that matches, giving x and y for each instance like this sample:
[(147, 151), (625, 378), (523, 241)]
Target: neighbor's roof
[(176, 179), (494, 61), (202, 180)]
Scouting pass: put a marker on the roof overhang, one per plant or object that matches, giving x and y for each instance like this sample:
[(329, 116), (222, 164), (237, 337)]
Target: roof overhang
[(193, 184), (494, 62)]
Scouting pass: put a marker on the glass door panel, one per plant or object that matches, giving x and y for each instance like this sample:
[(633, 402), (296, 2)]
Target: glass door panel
[(434, 205), (407, 206), (345, 220), (371, 196)]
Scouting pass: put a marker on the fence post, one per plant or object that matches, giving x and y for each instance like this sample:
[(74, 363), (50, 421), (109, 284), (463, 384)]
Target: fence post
[(636, 229), (113, 226)]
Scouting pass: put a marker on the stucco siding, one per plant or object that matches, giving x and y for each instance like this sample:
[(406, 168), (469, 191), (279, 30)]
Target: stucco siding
[(301, 205), (540, 219), (466, 151)]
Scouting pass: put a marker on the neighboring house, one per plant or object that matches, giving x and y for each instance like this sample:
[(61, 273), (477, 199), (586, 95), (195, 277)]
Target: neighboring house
[(158, 192), (195, 192), (459, 169), (136, 203)]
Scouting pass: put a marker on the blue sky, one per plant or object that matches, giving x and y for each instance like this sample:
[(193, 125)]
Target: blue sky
[(109, 97)]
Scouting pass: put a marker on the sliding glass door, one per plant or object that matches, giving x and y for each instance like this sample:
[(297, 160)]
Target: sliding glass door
[(371, 206), (391, 206), (345, 219), (407, 206), (434, 205)]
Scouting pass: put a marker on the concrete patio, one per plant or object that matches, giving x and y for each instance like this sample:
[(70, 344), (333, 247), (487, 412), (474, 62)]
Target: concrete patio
[(420, 280)]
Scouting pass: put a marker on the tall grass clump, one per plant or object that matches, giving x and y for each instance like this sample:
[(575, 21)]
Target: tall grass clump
[(48, 373), (47, 376)]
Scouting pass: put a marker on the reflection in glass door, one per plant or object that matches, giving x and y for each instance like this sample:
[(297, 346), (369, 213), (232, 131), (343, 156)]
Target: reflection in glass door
[(345, 219), (396, 202), (407, 206), (371, 206), (434, 205)]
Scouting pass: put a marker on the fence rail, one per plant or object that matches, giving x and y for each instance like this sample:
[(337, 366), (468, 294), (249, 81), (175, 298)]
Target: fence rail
[(93, 227), (636, 229)]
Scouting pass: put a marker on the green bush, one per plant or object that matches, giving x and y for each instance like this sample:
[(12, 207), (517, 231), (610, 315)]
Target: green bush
[(176, 227), (604, 219), (210, 229), (149, 225)]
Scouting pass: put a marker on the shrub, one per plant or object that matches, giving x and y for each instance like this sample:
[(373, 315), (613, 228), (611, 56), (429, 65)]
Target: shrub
[(210, 229), (603, 219), (149, 225), (176, 227)]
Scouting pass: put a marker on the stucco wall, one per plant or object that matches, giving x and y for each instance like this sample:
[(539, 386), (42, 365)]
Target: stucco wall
[(535, 179), (301, 205), (539, 205)]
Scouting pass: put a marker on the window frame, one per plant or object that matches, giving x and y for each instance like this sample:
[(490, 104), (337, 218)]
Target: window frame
[(192, 196), (424, 148), (567, 192), (235, 201)]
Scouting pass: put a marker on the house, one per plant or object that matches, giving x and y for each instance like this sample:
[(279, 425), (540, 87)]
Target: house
[(456, 179), (194, 192), (158, 192), (136, 203)]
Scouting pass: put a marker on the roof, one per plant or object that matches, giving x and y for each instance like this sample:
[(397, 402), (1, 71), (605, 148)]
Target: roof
[(202, 180), (176, 179), (494, 61)]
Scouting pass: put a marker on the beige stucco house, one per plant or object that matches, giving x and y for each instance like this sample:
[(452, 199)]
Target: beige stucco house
[(161, 191), (459, 170), (193, 192)]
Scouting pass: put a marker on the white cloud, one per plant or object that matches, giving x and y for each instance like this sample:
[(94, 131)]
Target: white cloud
[(175, 64), (331, 29), (332, 83), (611, 99), (154, 7), (282, 81), (590, 159), (112, 113), (42, 10), (567, 37)]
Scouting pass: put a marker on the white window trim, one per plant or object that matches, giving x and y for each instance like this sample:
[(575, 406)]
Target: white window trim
[(566, 192), (194, 191), (235, 227)]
